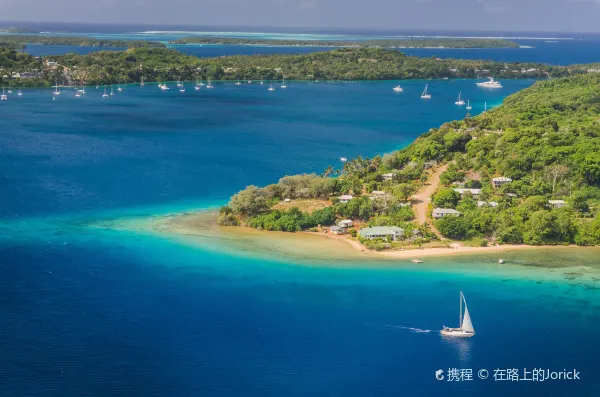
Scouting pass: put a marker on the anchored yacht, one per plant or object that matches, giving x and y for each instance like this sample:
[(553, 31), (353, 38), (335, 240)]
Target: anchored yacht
[(491, 83)]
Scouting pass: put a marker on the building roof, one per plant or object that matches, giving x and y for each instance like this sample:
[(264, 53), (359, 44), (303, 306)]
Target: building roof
[(336, 229), (378, 193), (463, 190), (446, 211), (556, 201), (346, 197), (502, 179), (381, 230), (346, 221)]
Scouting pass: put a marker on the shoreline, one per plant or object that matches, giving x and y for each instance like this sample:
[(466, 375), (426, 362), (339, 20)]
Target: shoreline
[(200, 228)]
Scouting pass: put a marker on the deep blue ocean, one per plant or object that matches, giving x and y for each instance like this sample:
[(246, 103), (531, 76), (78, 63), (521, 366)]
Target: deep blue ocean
[(99, 312)]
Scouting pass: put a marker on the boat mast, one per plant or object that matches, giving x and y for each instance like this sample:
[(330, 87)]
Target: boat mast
[(461, 317)]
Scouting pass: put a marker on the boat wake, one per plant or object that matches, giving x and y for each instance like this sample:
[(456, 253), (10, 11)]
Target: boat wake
[(411, 329)]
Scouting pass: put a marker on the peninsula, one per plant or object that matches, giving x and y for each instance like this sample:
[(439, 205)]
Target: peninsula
[(371, 43), (163, 64), (524, 174)]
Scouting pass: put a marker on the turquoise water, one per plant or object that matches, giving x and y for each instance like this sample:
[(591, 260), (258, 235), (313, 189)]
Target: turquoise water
[(88, 311)]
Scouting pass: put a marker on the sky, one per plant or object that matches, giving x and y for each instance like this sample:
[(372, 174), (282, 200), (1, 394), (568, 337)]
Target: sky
[(494, 15)]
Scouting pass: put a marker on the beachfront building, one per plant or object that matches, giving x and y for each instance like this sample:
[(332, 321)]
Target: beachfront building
[(337, 230), (346, 223), (439, 213), (388, 177), (345, 198), (501, 181), (474, 192), (387, 232), (556, 203)]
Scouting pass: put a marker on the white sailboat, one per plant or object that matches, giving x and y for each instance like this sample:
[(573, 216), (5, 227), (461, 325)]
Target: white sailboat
[(425, 94), (465, 330), (249, 81), (20, 93), (56, 89), (283, 85), (209, 85), (398, 88), (119, 88), (238, 82), (105, 95), (459, 101), (261, 81), (142, 81), (77, 91), (3, 97), (112, 93), (271, 88), (197, 86), (181, 88), (469, 107)]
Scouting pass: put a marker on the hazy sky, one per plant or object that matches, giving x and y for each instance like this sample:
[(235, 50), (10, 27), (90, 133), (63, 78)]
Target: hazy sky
[(520, 15)]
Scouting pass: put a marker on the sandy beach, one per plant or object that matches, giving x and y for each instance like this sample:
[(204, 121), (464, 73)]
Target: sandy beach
[(201, 228)]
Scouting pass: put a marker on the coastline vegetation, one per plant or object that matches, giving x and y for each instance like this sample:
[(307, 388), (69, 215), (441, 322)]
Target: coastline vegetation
[(163, 64), (20, 41), (543, 141), (381, 43)]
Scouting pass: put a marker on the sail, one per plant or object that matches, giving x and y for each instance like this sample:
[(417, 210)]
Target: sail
[(467, 325)]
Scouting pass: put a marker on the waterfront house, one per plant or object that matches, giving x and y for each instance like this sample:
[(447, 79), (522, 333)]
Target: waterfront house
[(501, 181), (345, 223), (492, 204), (388, 177), (344, 198), (556, 203), (439, 213), (337, 230), (387, 232)]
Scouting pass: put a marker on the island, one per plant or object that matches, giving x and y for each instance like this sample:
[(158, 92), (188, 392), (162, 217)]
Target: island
[(371, 43), (20, 41), (164, 64), (526, 173)]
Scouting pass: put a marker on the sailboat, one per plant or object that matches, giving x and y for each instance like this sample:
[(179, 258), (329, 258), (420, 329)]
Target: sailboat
[(178, 82), (112, 93), (3, 97), (271, 88), (283, 84), (105, 95), (209, 85), (398, 89), (142, 81), (182, 88), (20, 93), (77, 91), (425, 94), (197, 87), (56, 89), (466, 329), (469, 107), (459, 101), (119, 88), (261, 81), (249, 81), (238, 83)]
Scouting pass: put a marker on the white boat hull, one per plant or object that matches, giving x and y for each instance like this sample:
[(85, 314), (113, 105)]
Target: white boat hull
[(456, 333)]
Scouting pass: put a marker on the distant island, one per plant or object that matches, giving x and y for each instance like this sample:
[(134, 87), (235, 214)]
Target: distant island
[(14, 29), (19, 41), (381, 43), (163, 64), (525, 173)]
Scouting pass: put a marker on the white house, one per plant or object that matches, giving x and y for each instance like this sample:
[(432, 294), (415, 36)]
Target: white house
[(345, 223), (388, 177), (556, 203), (492, 204), (442, 212), (500, 181), (461, 191), (337, 230), (345, 198), (392, 232)]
